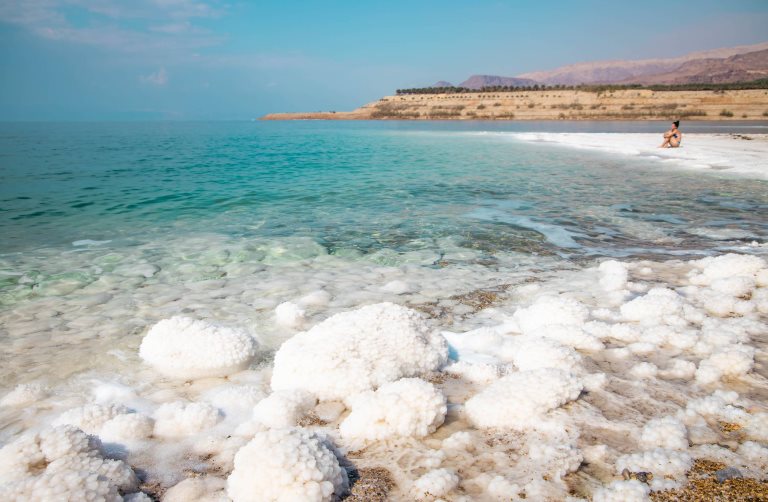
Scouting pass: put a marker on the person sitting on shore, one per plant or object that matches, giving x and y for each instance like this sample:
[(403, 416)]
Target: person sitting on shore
[(673, 137)]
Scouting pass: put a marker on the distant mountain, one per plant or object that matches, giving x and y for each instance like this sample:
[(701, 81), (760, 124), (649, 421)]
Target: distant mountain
[(631, 71), (739, 68), (442, 83), (480, 81)]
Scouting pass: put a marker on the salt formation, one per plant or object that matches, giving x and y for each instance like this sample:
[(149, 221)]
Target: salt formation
[(24, 394), (437, 483), (355, 351), (623, 491), (667, 432), (184, 348), (290, 315), (283, 408), (182, 419), (62, 463), (407, 407), (286, 464), (521, 400)]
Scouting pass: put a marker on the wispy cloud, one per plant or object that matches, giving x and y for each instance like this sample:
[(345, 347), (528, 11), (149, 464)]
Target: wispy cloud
[(137, 26), (158, 78)]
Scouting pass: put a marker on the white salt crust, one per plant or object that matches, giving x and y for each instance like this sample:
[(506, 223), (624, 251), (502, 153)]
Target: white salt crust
[(185, 348), (359, 350)]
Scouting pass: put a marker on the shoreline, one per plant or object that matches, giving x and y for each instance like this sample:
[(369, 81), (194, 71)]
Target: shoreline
[(559, 105)]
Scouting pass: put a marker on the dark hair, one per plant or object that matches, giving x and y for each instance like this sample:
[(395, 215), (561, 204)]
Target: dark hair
[(677, 123)]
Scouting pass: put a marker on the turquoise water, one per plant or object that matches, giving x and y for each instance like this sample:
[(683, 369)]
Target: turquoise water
[(364, 186)]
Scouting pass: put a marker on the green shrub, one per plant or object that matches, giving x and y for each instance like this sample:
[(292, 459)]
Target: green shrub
[(726, 113), (481, 106)]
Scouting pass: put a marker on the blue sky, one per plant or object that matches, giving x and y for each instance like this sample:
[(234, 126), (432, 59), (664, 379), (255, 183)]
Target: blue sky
[(211, 59)]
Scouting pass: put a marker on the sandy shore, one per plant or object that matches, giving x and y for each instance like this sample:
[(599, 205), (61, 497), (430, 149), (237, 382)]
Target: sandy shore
[(634, 104)]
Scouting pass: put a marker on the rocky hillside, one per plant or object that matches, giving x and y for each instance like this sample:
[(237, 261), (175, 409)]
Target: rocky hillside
[(663, 70), (739, 68)]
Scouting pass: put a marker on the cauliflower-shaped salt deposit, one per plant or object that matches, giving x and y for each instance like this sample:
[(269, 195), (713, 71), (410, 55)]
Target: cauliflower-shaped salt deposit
[(435, 483), (283, 408), (548, 311), (622, 491), (355, 351), (733, 361), (90, 417), (290, 315), (666, 432), (653, 306), (183, 419), (185, 348), (729, 265), (62, 463), (407, 407), (286, 465), (127, 427), (519, 400), (661, 462), (613, 275), (530, 353)]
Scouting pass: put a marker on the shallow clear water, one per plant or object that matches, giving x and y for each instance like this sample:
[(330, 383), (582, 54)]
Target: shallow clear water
[(363, 185)]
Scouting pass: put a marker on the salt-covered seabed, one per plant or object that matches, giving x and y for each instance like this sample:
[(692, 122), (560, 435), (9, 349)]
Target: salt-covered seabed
[(547, 387), (745, 155)]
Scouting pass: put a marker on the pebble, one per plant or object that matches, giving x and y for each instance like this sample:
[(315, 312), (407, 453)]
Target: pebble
[(728, 473)]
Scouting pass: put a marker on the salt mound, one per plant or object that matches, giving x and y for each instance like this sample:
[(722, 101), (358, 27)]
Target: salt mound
[(62, 463), (623, 491), (653, 306), (283, 408), (407, 407), (613, 275), (360, 350), (185, 348), (520, 400), (725, 266), (437, 483), (286, 464), (182, 419), (549, 311), (666, 432), (25, 394)]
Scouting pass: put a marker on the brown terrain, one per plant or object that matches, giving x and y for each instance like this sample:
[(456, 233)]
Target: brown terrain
[(553, 104)]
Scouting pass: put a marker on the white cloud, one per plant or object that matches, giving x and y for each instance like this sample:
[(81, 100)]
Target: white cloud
[(158, 78)]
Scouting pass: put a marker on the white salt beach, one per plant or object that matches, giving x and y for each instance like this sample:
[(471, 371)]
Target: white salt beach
[(739, 154)]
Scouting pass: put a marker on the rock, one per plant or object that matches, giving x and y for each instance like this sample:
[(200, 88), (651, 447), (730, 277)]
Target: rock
[(728, 473)]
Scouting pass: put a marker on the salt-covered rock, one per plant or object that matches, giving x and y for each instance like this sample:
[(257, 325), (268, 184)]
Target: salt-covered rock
[(201, 489), (286, 464), (290, 315), (520, 400), (283, 408), (613, 275), (734, 361), (653, 306), (62, 463), (359, 350), (184, 348), (407, 407), (622, 491), (666, 432), (182, 419), (127, 427), (436, 483), (549, 310), (90, 417), (659, 461)]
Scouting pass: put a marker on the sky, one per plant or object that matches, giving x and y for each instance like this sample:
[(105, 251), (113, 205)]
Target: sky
[(223, 60)]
